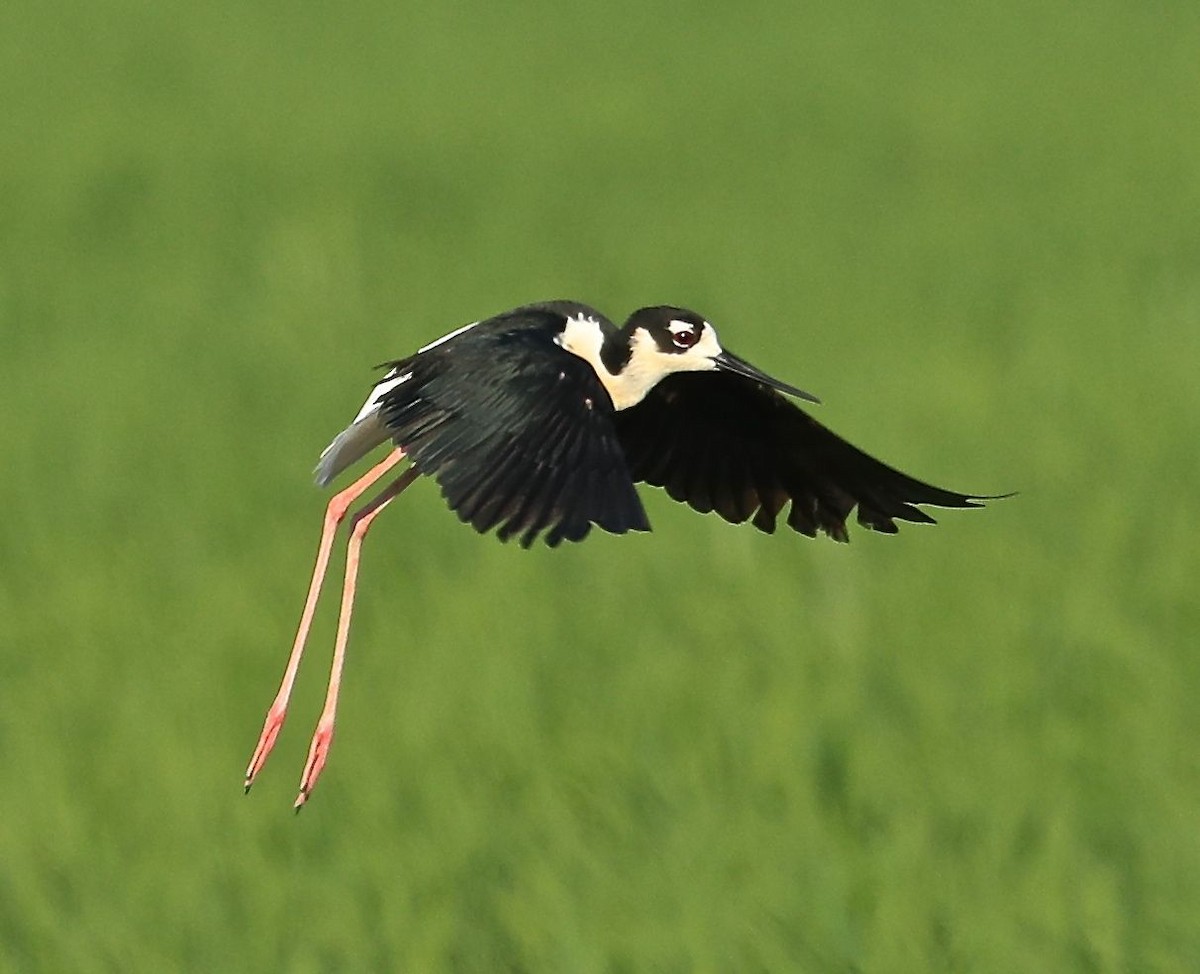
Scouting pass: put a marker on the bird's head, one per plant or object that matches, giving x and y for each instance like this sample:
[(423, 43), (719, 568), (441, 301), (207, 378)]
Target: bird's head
[(663, 340)]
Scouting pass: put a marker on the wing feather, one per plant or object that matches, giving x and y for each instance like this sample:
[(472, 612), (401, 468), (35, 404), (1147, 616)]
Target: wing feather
[(519, 433), (722, 442)]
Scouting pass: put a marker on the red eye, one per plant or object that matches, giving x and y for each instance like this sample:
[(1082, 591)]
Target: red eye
[(684, 337)]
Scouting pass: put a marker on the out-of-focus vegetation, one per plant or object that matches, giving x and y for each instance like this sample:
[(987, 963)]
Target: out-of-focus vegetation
[(972, 231)]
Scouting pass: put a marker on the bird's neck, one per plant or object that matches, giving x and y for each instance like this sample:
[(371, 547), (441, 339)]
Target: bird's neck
[(611, 353)]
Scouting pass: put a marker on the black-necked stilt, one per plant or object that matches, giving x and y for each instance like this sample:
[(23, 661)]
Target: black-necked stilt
[(539, 421)]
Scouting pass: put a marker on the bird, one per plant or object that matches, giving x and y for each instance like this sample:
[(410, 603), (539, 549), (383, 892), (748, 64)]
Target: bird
[(539, 422)]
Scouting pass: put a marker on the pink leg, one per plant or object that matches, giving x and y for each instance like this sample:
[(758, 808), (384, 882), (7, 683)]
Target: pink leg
[(335, 513), (323, 737)]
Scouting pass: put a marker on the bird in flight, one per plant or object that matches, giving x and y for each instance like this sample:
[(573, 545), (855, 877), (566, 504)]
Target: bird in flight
[(538, 422)]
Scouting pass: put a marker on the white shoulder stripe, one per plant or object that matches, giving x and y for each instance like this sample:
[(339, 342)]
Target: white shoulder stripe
[(446, 338)]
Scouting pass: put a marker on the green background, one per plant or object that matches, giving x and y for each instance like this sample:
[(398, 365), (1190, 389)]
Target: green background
[(972, 230)]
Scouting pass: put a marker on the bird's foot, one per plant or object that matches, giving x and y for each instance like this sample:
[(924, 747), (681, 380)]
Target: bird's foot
[(318, 751), (266, 741)]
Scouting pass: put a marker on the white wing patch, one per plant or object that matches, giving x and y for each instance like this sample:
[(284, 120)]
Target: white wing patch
[(382, 388), (446, 338)]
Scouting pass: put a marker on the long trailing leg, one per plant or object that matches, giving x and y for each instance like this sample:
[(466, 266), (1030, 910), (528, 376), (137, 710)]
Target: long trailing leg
[(323, 736), (335, 513)]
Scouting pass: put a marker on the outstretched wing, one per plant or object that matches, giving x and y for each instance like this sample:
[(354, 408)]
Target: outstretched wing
[(519, 433), (723, 443)]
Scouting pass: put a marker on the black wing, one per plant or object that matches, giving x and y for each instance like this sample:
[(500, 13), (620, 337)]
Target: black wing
[(518, 432), (723, 443)]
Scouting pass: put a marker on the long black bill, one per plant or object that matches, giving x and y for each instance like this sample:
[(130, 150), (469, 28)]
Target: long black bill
[(731, 363)]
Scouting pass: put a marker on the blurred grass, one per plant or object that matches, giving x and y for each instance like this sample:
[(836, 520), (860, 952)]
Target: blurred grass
[(971, 231)]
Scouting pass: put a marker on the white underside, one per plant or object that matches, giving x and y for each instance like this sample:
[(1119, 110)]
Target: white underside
[(366, 432), (349, 446)]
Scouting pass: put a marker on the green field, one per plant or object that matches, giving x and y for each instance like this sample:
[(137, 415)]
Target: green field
[(974, 232)]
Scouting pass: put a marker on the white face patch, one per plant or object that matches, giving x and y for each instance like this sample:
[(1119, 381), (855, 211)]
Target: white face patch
[(686, 334), (707, 348), (446, 338), (382, 388), (647, 363)]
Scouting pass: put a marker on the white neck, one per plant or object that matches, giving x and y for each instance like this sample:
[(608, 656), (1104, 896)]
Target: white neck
[(646, 367)]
